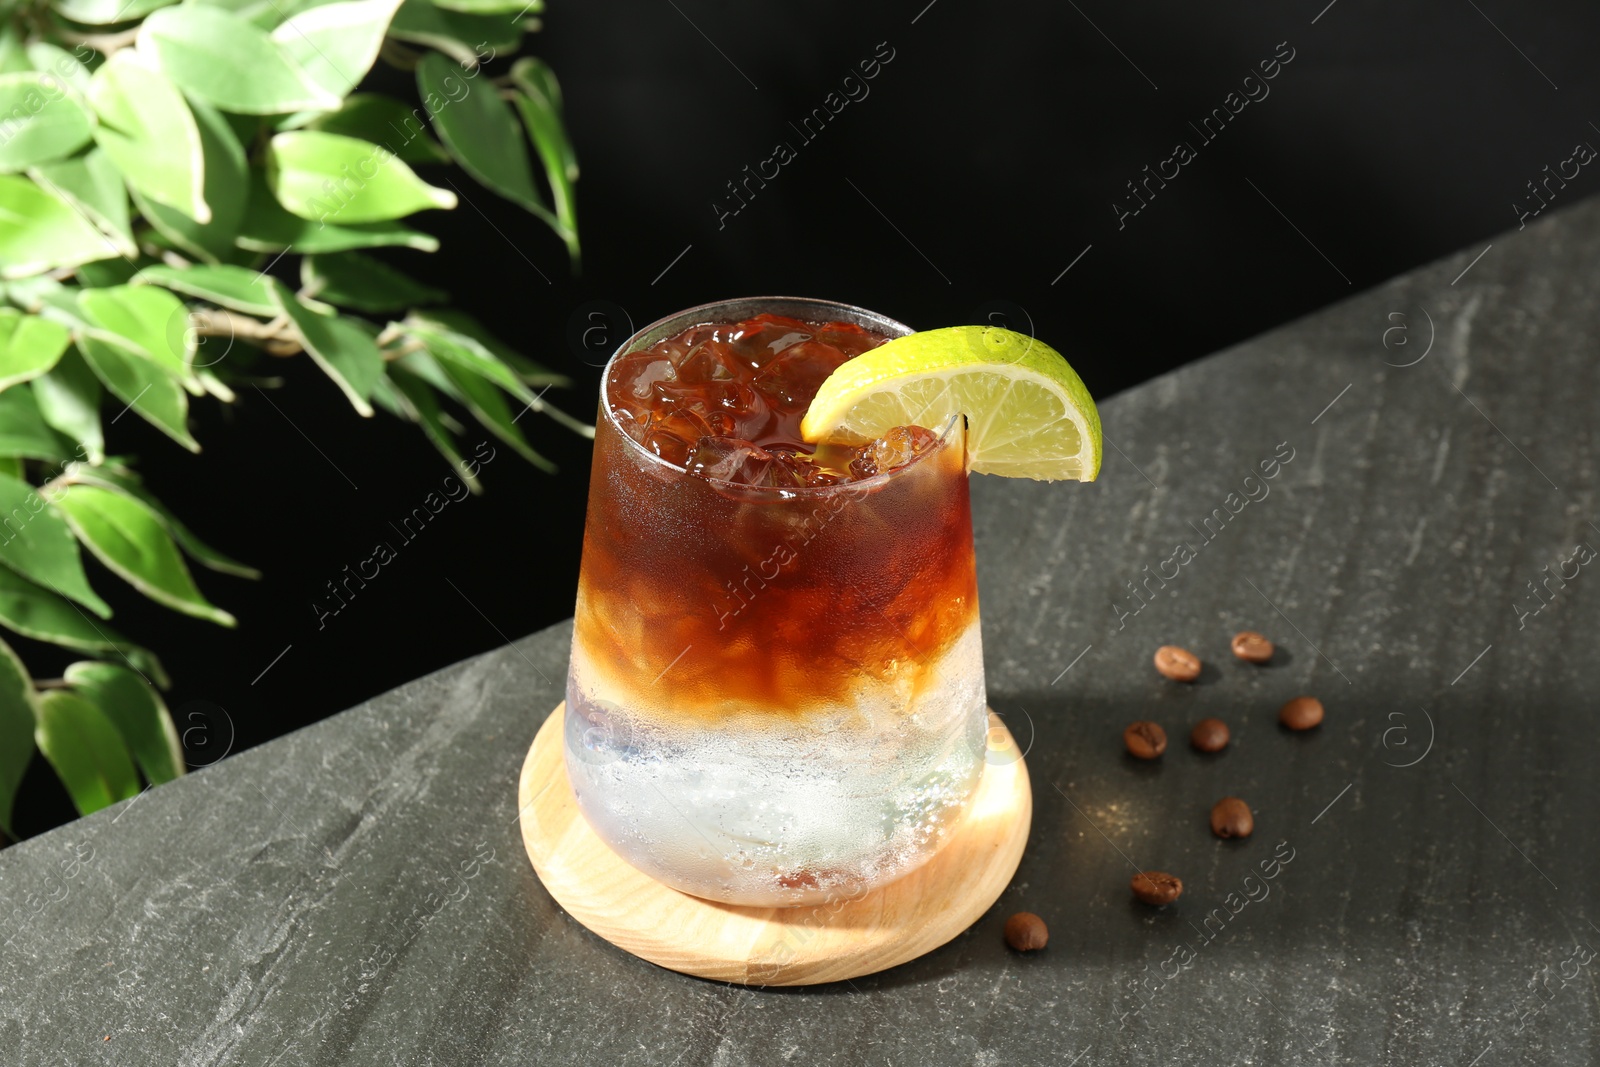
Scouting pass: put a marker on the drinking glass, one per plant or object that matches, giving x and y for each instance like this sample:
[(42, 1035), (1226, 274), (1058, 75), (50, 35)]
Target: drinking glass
[(776, 696)]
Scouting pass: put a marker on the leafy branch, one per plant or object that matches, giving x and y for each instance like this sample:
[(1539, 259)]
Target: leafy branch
[(164, 168)]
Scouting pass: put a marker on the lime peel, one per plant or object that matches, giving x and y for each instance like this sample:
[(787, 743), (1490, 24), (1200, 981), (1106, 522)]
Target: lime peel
[(1028, 413)]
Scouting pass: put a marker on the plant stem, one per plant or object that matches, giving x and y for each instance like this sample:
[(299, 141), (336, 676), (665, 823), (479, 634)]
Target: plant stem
[(104, 43), (398, 55), (411, 345), (276, 336)]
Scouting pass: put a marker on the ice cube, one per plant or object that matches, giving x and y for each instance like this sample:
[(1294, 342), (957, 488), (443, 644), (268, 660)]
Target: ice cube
[(821, 477), (790, 381), (633, 419), (894, 449), (753, 419), (721, 407), (709, 361), (693, 420), (765, 336), (848, 338), (788, 470), (729, 459), (668, 445), (637, 374), (696, 336)]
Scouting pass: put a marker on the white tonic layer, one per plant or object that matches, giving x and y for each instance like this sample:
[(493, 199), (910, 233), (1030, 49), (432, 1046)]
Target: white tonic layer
[(777, 810)]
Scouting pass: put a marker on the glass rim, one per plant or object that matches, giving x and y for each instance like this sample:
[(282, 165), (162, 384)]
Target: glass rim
[(717, 312)]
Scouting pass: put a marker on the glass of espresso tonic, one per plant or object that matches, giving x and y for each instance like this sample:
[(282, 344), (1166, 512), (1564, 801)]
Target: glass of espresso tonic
[(776, 693)]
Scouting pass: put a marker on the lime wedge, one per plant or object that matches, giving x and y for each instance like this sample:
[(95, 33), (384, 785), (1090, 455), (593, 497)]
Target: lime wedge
[(1028, 413)]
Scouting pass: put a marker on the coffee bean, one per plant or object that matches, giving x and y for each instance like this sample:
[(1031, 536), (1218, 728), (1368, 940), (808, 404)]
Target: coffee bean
[(1176, 663), (1231, 817), (1252, 647), (1026, 932), (1156, 887), (1145, 740), (1209, 735), (1301, 713)]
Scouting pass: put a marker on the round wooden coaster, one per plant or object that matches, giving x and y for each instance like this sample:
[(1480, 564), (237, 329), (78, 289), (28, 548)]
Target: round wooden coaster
[(775, 946)]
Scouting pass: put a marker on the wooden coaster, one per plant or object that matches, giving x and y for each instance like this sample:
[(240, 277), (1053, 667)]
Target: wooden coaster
[(775, 946)]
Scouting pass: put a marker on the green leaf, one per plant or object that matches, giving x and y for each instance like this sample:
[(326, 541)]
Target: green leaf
[(39, 231), (36, 542), (13, 56), (488, 406), (287, 9), (538, 100), (86, 751), (131, 541), (216, 386), (336, 44), (143, 386), (263, 13), (105, 12), (149, 132), (29, 346), (462, 323), (103, 273), (467, 353), (471, 355), (237, 288), (149, 320), (424, 366), (202, 553), (390, 399), (545, 131), (535, 78), (226, 187), (137, 711), (341, 348), (23, 431), (49, 59), (478, 128), (18, 717), (353, 280), (42, 295), (42, 121), (35, 612), (227, 61), (245, 128), (69, 401), (332, 178), (457, 35), (91, 183), (382, 120), (431, 419), (269, 228), (492, 7)]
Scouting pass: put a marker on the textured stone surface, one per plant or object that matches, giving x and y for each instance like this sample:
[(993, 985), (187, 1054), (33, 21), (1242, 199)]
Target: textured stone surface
[(356, 893)]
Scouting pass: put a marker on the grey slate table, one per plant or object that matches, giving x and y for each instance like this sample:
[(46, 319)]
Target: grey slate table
[(357, 893)]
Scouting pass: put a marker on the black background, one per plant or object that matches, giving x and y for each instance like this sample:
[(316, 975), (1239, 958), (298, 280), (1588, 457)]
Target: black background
[(985, 160)]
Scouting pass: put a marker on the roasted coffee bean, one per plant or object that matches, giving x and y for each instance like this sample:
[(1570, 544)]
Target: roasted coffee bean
[(1231, 817), (1145, 740), (1209, 735), (1301, 713), (1026, 932), (1252, 647), (1156, 887), (1176, 663)]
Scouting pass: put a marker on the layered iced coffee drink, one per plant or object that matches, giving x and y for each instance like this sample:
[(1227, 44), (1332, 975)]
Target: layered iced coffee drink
[(776, 693)]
